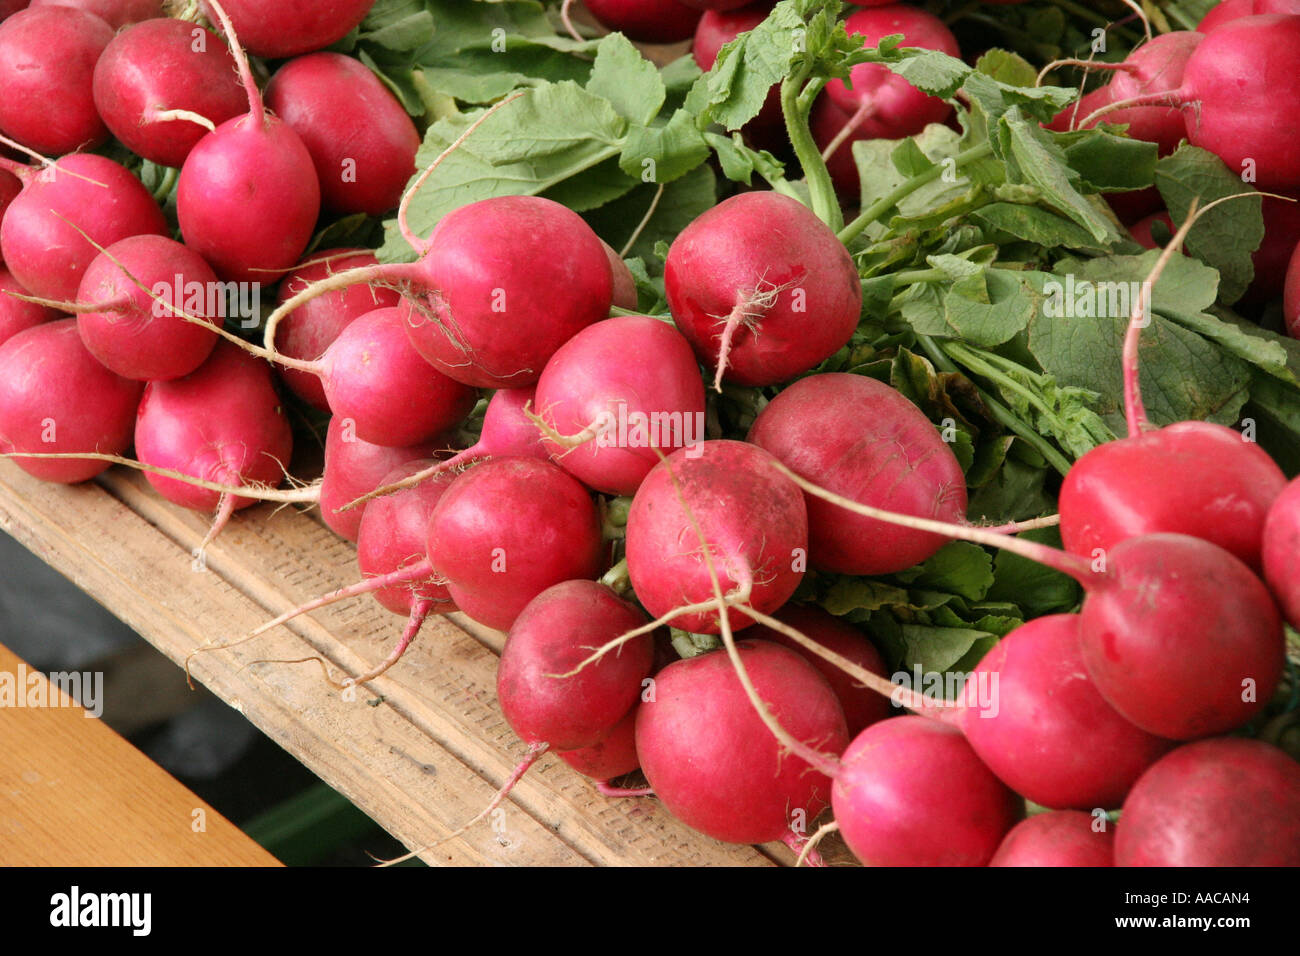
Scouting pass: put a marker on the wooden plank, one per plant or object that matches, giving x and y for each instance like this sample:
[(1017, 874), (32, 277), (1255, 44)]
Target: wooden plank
[(74, 793), (423, 761)]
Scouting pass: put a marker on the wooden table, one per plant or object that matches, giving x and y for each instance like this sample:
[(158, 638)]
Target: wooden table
[(422, 750)]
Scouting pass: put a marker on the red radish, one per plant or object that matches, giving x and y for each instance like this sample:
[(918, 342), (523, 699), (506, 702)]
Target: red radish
[(1073, 115), (827, 122), (889, 107), (625, 296), (360, 138), (372, 375), (605, 418), (762, 289), (292, 27), (508, 529), (646, 21), (253, 170), (754, 521), (1281, 236), (1291, 296), (392, 541), (221, 423), (1235, 85), (116, 13), (15, 314), (715, 4), (863, 706), (354, 467), (10, 187), (497, 327), (553, 633), (1221, 802), (719, 27), (1229, 10), (44, 250), (860, 438), (163, 84), (9, 7), (1058, 838), (507, 432), (715, 764), (614, 756), (128, 328), (47, 61), (1281, 545), (912, 792), (1030, 701), (55, 398), (306, 333), (1177, 635)]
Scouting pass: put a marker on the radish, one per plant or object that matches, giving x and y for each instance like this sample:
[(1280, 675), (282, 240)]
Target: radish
[(912, 792), (861, 438), (291, 27), (1291, 296), (162, 84), (360, 138), (306, 333), (47, 62), (555, 631), (762, 289), (55, 398), (625, 296), (354, 467), (714, 763), (15, 314), (1281, 544), (1177, 634), (863, 706), (754, 522), (116, 13), (1143, 484), (1220, 802), (508, 529), (606, 419), (51, 229), (715, 4), (497, 327), (1028, 704), (829, 125), (1059, 838), (646, 21), (884, 104), (221, 423), (1270, 260), (614, 756), (9, 7), (1229, 10), (1235, 87), (120, 319), (10, 187), (253, 170), (372, 375)]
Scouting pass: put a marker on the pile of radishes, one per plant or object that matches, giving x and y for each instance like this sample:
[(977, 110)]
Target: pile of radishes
[(601, 503)]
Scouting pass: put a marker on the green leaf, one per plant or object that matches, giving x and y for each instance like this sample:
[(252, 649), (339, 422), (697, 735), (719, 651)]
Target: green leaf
[(662, 154), (1037, 225), (628, 80), (733, 92), (1034, 158), (1227, 235), (739, 162), (1008, 68), (909, 160), (1107, 162), (1006, 307), (549, 134), (958, 567), (935, 650), (857, 594), (1033, 587)]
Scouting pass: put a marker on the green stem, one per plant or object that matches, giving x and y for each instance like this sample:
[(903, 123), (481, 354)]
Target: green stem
[(975, 360), (616, 578), (1000, 412), (904, 189), (165, 187), (824, 202)]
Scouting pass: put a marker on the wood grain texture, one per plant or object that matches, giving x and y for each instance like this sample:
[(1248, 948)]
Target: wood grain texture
[(422, 750), (74, 793)]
